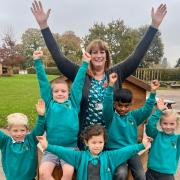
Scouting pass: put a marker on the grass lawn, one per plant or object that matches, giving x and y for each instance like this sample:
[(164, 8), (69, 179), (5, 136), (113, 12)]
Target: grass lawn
[(19, 93)]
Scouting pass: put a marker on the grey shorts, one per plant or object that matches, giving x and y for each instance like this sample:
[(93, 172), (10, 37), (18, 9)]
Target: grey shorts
[(47, 156)]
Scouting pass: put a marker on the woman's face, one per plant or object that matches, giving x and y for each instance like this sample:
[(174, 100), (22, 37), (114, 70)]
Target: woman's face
[(98, 59)]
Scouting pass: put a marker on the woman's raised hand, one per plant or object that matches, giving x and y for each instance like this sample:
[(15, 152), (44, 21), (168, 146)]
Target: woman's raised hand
[(39, 14), (158, 15)]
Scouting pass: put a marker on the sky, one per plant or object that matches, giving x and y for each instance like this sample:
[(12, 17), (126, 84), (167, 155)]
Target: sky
[(80, 15)]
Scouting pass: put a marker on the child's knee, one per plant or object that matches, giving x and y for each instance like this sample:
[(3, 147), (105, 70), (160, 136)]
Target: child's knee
[(44, 171), (121, 173), (67, 176), (68, 171)]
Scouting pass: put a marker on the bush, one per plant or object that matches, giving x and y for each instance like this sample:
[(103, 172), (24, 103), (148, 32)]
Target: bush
[(49, 71), (52, 71), (31, 70), (170, 74), (15, 70)]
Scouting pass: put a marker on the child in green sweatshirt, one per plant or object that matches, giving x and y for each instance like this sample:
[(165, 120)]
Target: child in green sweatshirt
[(165, 151), (19, 148), (123, 124), (62, 109), (94, 163)]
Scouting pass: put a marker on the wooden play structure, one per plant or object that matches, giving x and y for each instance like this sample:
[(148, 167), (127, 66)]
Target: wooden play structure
[(139, 89)]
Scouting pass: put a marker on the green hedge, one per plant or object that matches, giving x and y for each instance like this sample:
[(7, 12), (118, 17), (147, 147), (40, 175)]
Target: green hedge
[(15, 70), (166, 74), (49, 71), (170, 74)]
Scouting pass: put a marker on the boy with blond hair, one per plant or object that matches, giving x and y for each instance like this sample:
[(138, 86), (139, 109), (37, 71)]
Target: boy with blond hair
[(19, 147)]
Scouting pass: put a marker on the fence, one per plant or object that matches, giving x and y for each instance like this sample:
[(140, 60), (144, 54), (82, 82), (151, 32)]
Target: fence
[(160, 74)]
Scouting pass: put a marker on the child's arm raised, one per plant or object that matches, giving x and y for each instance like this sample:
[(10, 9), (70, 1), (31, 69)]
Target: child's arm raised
[(144, 112), (69, 155), (108, 100), (78, 84), (3, 139), (121, 155), (151, 126), (45, 87), (39, 128)]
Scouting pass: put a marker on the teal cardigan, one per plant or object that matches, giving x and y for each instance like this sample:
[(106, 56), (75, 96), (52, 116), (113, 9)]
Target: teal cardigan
[(109, 160)]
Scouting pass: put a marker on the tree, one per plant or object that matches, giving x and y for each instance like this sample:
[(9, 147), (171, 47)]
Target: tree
[(68, 41), (98, 31), (164, 63), (70, 45), (10, 54), (31, 41), (178, 64), (122, 40), (155, 51)]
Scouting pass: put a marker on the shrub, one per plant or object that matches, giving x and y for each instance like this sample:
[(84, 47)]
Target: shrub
[(49, 71)]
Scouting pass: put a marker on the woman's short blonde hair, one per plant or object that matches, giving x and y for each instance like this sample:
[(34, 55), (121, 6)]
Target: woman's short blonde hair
[(17, 119)]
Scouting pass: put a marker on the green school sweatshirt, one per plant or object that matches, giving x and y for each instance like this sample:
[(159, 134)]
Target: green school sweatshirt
[(165, 148), (123, 130), (19, 159), (62, 122)]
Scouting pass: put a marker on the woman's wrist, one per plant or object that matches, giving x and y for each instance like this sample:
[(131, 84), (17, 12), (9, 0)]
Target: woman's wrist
[(154, 25), (43, 26)]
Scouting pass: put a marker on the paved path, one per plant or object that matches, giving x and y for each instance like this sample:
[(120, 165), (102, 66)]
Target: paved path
[(173, 95)]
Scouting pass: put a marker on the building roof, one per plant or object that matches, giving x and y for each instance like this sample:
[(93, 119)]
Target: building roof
[(138, 82)]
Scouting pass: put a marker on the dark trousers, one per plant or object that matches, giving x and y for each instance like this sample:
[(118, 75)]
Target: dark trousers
[(136, 167), (153, 175)]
